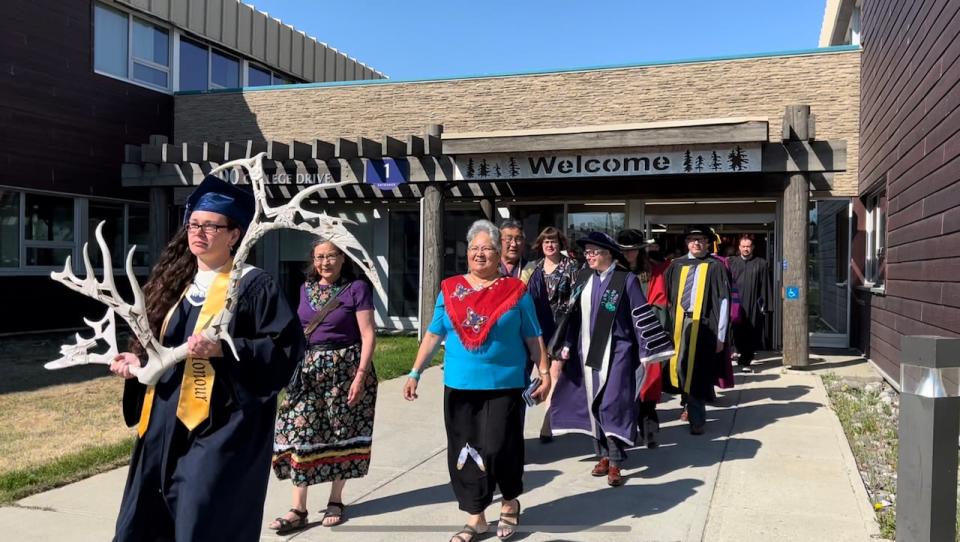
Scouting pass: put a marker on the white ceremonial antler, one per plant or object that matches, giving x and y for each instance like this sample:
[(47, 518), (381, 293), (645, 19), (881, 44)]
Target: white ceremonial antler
[(159, 357), (79, 353), (265, 219)]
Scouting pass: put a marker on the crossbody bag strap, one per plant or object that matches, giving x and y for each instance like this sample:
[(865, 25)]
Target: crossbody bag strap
[(327, 308)]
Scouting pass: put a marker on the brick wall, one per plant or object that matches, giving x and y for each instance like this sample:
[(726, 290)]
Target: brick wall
[(754, 87), (911, 148)]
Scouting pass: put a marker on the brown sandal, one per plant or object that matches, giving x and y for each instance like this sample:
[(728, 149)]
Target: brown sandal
[(334, 510), (509, 521), (466, 530), (285, 525)]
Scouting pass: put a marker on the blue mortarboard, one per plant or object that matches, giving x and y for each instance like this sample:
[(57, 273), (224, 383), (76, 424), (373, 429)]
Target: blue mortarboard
[(218, 196)]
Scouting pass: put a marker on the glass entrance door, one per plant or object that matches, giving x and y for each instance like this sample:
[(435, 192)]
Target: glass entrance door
[(828, 266)]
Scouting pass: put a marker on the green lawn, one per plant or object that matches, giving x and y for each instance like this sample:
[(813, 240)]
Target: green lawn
[(393, 358)]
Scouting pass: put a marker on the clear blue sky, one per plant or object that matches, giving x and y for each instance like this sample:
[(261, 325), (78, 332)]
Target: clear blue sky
[(418, 39)]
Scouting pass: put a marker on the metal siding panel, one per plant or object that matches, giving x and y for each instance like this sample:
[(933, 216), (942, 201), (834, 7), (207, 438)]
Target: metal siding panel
[(341, 67), (179, 12), (244, 28), (196, 16), (160, 8), (308, 47), (213, 19), (319, 61), (296, 54), (258, 47), (285, 35), (273, 42), (143, 5), (330, 70), (228, 34), (367, 73)]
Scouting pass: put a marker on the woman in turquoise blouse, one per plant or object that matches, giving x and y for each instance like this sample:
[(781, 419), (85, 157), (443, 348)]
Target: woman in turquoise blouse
[(494, 331)]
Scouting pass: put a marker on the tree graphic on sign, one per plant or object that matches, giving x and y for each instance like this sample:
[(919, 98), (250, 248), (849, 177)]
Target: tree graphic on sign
[(738, 159), (715, 163), (699, 163), (496, 170), (687, 162), (471, 172), (513, 167), (484, 169)]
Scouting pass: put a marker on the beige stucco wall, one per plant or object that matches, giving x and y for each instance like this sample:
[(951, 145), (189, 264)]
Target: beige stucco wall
[(828, 82)]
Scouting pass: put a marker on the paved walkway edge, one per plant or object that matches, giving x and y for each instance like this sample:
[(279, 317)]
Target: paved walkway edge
[(867, 515)]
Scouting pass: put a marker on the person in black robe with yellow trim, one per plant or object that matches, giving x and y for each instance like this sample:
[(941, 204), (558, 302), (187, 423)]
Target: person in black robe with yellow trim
[(699, 295), (200, 466)]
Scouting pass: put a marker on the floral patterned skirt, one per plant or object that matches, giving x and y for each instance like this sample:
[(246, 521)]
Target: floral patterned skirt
[(319, 438)]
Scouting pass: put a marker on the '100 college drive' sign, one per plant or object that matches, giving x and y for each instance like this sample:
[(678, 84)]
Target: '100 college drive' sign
[(736, 159)]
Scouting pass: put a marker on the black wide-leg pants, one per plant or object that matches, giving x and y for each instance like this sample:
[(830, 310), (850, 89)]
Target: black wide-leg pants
[(489, 422)]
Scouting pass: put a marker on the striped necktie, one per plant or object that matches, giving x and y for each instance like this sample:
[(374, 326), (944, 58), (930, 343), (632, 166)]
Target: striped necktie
[(688, 289)]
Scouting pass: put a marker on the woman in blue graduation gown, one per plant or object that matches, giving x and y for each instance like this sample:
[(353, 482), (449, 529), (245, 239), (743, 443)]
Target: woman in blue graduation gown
[(201, 463)]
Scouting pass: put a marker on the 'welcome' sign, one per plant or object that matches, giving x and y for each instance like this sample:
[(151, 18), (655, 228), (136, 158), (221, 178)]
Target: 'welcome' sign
[(736, 159)]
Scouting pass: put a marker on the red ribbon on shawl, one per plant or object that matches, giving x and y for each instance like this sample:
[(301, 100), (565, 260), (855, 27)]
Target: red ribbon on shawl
[(474, 312)]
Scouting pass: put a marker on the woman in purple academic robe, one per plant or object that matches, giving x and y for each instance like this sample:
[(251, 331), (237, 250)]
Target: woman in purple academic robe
[(611, 333)]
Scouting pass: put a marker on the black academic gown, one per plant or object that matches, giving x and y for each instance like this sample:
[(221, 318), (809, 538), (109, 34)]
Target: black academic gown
[(756, 295), (707, 364), (210, 484)]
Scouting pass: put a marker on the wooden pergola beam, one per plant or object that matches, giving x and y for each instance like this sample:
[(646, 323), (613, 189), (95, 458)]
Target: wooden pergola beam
[(750, 131)]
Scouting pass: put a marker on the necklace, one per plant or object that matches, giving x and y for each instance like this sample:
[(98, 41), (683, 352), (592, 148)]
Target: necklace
[(478, 283)]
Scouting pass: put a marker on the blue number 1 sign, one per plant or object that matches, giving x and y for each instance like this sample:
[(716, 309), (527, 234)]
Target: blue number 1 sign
[(386, 172)]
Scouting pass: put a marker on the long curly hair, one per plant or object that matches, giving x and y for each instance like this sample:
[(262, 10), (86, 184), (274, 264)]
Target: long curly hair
[(174, 270)]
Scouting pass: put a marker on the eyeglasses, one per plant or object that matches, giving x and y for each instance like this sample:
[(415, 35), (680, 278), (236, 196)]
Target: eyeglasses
[(508, 239), (698, 240), (208, 228), (594, 251), (487, 250), (326, 257)]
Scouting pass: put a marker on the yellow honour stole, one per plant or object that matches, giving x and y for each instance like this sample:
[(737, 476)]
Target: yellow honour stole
[(695, 327), (198, 374)]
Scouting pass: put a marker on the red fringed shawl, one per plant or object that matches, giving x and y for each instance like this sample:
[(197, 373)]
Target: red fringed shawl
[(474, 312)]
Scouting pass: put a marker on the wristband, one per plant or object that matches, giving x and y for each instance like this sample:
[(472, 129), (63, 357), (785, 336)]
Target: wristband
[(542, 372), (414, 374)]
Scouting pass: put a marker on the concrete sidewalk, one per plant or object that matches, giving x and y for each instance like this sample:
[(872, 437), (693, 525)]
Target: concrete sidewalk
[(773, 465)]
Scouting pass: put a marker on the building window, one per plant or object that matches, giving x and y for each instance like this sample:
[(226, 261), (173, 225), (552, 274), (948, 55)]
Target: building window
[(280, 80), (138, 233), (110, 38), (224, 71), (151, 54), (48, 230), (131, 48), (876, 240), (258, 77), (41, 231), (9, 228), (194, 65)]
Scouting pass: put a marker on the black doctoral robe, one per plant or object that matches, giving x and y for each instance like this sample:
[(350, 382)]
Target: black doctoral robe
[(714, 318), (210, 484), (752, 278)]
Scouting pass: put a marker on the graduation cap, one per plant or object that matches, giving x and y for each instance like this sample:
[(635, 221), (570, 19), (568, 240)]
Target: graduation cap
[(218, 196)]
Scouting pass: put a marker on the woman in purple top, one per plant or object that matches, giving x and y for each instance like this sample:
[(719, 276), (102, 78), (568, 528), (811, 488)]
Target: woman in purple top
[(325, 424)]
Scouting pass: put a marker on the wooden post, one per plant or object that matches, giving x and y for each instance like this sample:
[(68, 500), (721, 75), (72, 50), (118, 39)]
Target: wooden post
[(796, 197), (159, 221), (489, 208), (431, 252)]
